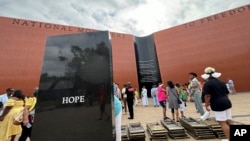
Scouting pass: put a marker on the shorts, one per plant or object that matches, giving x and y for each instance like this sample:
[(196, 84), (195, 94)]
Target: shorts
[(163, 104), (182, 106), (223, 115)]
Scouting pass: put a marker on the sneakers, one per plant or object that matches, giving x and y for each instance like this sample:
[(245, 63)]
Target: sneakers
[(205, 116)]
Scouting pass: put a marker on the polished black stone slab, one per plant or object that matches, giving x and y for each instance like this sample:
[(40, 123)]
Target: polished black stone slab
[(75, 86)]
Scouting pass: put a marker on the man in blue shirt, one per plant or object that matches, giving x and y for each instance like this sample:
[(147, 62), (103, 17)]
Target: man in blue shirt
[(154, 94)]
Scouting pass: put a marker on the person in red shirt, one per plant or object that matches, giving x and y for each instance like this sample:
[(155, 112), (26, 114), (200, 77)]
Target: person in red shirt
[(162, 98)]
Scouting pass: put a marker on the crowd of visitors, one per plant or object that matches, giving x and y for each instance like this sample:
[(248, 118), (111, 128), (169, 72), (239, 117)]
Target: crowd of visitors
[(16, 114), (164, 96), (212, 91)]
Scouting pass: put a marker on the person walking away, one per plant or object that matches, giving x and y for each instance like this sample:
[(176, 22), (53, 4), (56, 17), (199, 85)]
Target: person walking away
[(130, 100), (29, 113), (162, 98), (173, 95), (124, 98), (216, 95), (196, 92), (154, 94), (13, 107), (144, 96)]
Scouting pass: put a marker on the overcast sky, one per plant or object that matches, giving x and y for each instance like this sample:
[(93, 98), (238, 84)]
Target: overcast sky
[(137, 17)]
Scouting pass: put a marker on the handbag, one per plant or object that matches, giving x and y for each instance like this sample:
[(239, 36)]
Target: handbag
[(179, 101), (18, 118)]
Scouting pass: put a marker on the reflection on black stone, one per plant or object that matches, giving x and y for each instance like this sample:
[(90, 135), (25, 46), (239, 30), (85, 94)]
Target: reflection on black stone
[(75, 67)]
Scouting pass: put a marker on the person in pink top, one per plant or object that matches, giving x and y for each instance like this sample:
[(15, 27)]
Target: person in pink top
[(162, 98)]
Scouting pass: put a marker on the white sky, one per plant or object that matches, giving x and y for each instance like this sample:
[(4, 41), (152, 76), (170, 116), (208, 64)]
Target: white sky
[(137, 17)]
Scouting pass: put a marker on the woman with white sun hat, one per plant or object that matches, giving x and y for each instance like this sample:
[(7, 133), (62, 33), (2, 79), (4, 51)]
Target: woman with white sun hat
[(216, 96)]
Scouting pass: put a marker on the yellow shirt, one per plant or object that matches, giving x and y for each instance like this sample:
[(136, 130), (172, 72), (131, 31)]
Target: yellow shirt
[(136, 94), (31, 102)]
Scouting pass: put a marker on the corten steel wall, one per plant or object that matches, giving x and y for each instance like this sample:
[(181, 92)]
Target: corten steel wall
[(221, 41), (124, 61), (22, 50)]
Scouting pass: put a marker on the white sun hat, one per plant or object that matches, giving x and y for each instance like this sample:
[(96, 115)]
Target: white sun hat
[(209, 71)]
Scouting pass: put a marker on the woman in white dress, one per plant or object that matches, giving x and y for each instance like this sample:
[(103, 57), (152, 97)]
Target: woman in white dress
[(144, 96)]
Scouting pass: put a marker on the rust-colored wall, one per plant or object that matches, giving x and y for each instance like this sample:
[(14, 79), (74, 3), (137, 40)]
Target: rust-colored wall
[(124, 61), (221, 41), (22, 50)]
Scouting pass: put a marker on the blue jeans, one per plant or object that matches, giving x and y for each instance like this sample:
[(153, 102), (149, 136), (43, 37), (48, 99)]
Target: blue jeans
[(155, 100), (198, 103)]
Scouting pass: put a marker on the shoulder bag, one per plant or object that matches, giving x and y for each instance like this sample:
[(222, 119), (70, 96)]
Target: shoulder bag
[(178, 99)]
